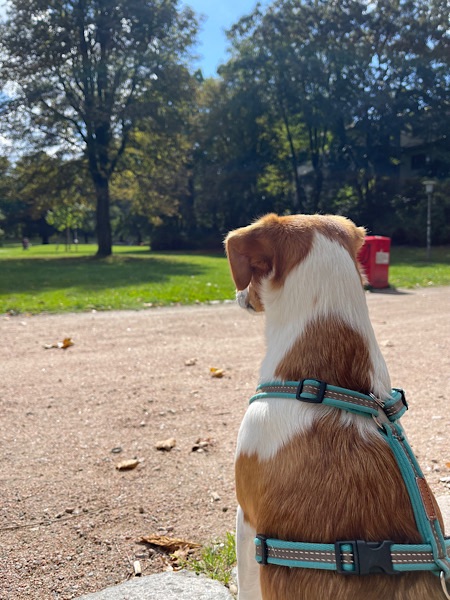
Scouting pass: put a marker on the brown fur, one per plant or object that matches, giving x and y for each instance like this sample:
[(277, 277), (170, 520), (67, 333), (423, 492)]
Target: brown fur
[(328, 351), (331, 485), (328, 483), (280, 243)]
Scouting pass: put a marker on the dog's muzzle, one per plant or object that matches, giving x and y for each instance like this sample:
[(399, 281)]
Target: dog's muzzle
[(242, 300)]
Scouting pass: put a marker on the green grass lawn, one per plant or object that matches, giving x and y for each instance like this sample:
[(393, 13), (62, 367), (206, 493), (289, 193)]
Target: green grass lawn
[(41, 279), (410, 268), (47, 279)]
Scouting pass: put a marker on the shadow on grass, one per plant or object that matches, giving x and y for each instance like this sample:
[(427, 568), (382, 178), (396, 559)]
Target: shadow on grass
[(219, 253), (41, 274), (417, 257)]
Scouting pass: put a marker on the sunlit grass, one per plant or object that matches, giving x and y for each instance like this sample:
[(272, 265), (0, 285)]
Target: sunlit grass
[(49, 279), (410, 268), (216, 561), (42, 279)]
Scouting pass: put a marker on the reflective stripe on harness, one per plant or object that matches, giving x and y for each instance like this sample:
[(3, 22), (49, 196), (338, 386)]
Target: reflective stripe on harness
[(348, 557), (357, 557)]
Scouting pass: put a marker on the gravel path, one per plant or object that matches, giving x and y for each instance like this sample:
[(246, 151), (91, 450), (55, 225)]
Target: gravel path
[(70, 521)]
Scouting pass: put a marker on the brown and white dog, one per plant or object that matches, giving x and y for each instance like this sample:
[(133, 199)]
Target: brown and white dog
[(308, 472)]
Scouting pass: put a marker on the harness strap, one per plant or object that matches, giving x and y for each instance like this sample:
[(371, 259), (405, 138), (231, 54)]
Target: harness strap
[(348, 557), (420, 495), (318, 392), (360, 557)]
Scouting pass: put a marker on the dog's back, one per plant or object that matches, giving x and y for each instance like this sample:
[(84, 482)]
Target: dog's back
[(307, 472)]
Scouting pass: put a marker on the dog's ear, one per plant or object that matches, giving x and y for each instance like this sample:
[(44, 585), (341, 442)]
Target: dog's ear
[(360, 236), (239, 260), (247, 256)]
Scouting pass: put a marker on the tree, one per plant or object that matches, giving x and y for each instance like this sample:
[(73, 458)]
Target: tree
[(81, 73), (42, 183), (304, 56), (150, 179), (228, 154), (13, 209), (66, 218), (3, 192), (342, 80)]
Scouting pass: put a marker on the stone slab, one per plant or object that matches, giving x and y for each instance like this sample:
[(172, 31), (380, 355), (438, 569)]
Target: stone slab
[(182, 585)]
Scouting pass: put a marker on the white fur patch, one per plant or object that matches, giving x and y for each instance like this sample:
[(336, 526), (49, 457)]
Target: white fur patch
[(248, 569), (269, 424), (325, 284)]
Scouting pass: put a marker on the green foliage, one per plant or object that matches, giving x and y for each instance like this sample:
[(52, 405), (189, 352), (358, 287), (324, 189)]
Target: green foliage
[(321, 107), (85, 73), (354, 83), (2, 233), (216, 560), (152, 173), (67, 218), (276, 179), (43, 181), (12, 210), (408, 216), (225, 157)]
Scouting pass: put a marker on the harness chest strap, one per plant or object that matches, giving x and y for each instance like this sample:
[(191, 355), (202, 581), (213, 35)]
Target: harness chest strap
[(318, 392), (359, 557), (348, 557)]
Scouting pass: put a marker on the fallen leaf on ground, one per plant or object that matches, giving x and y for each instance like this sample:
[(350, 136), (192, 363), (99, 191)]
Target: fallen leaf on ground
[(447, 464), (174, 551), (127, 465), (182, 553), (190, 362), (66, 343), (216, 372), (202, 444), (166, 445), (169, 544)]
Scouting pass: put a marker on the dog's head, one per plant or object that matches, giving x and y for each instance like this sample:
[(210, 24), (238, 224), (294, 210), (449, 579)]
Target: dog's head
[(270, 248)]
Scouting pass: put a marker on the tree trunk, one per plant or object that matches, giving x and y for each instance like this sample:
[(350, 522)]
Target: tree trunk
[(104, 235), (318, 187), (138, 236), (299, 203)]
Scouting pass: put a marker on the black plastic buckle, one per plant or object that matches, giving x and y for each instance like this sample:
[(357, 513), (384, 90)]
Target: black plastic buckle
[(264, 549), (368, 558), (320, 392), (402, 394)]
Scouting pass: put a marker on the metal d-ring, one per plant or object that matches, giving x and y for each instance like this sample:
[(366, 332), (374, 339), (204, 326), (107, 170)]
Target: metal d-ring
[(444, 585)]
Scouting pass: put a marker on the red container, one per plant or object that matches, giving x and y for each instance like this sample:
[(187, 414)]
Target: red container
[(374, 257)]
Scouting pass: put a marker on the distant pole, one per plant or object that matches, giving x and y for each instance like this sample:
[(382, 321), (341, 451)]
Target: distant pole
[(429, 227), (429, 186)]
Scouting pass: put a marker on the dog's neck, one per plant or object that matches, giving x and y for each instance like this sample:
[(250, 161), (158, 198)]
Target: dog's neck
[(318, 325)]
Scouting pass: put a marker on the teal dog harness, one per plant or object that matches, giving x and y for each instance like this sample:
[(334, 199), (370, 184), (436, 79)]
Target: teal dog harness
[(357, 557)]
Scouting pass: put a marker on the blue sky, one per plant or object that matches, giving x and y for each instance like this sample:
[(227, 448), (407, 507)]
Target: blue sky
[(219, 15)]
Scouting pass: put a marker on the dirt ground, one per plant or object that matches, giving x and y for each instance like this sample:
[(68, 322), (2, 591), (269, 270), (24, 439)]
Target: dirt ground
[(70, 521)]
